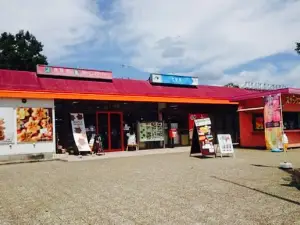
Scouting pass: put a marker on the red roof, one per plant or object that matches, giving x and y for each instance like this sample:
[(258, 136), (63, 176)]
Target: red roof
[(292, 91), (29, 81)]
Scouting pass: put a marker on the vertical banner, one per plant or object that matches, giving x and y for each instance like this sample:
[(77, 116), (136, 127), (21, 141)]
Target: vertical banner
[(79, 132), (193, 117), (273, 125), (6, 125)]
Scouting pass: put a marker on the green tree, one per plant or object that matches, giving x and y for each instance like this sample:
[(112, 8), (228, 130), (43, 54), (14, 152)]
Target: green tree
[(297, 49), (232, 85), (21, 51)]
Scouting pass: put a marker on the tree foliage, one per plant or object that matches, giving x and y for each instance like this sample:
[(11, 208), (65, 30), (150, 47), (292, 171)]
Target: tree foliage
[(297, 49), (232, 85), (21, 51)]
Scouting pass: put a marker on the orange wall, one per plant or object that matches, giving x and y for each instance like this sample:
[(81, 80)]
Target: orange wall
[(254, 139)]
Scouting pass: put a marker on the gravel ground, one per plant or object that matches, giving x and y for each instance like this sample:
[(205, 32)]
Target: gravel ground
[(153, 189)]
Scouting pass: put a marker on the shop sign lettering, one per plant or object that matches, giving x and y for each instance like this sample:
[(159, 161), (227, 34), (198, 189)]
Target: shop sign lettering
[(292, 99), (73, 72), (173, 79)]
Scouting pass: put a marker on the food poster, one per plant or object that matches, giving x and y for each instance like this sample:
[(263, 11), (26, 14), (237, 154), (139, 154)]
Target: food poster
[(193, 117), (259, 123), (79, 132), (7, 127), (151, 131), (272, 118), (205, 136), (34, 125)]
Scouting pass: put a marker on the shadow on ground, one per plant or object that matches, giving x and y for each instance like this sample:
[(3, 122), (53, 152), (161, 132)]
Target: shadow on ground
[(259, 165), (257, 190), (294, 178), (202, 157)]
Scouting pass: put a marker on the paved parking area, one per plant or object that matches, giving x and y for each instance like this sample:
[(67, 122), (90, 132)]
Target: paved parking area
[(152, 189)]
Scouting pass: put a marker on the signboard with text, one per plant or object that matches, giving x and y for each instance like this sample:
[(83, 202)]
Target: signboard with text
[(173, 79), (225, 144), (151, 131), (193, 117), (73, 72), (292, 99), (202, 141)]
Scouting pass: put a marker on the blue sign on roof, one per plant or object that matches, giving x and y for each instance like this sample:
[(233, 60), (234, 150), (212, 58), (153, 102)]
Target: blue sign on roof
[(173, 79)]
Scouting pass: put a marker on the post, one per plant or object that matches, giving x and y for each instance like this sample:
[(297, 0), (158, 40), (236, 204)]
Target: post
[(281, 115), (282, 128)]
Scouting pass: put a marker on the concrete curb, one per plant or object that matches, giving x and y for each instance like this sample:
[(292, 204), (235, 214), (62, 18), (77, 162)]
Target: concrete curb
[(73, 158), (27, 161)]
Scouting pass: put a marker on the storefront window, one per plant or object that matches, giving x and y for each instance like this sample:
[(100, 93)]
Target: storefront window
[(291, 120), (258, 122)]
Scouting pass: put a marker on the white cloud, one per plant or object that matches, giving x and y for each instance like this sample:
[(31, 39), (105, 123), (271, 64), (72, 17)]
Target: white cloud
[(59, 24), (269, 74), (210, 36), (204, 36)]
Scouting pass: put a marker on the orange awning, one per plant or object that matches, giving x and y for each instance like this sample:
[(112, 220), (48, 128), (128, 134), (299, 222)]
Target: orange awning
[(132, 98)]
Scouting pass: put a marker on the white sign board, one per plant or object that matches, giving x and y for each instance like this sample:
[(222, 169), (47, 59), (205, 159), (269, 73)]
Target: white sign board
[(202, 122), (151, 131), (225, 144), (79, 132)]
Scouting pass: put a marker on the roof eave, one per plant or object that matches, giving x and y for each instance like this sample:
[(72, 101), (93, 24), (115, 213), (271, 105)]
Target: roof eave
[(263, 94)]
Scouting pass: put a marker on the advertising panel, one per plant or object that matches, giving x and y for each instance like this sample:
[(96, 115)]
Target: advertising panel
[(34, 125), (7, 128)]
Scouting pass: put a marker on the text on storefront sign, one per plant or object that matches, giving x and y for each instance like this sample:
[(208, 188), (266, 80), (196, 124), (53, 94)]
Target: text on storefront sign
[(73, 72)]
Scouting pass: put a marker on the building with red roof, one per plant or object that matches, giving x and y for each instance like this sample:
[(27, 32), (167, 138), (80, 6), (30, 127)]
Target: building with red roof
[(251, 116), (64, 108), (29, 85)]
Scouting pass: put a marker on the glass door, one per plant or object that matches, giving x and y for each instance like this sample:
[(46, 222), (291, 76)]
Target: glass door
[(102, 128), (116, 131), (110, 127)]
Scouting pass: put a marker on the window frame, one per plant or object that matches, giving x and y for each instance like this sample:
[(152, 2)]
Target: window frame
[(254, 116)]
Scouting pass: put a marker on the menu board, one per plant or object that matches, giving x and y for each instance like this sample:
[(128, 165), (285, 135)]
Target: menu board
[(225, 143), (193, 117), (202, 141), (151, 131)]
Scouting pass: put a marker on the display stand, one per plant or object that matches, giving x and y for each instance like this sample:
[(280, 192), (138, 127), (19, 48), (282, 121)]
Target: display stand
[(202, 140), (152, 131), (225, 145)]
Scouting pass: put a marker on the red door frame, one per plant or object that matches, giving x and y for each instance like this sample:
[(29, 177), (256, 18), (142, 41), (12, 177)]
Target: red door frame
[(109, 129)]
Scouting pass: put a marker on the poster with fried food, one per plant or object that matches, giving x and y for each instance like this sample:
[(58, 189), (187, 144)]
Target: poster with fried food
[(34, 125), (6, 125)]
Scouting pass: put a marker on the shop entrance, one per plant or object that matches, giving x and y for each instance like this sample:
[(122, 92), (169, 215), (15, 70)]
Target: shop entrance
[(110, 126)]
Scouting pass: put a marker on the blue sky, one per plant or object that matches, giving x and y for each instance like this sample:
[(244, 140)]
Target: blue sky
[(218, 41)]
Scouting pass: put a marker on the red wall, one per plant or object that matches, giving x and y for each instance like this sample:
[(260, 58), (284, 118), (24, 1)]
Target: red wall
[(248, 137), (255, 139)]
